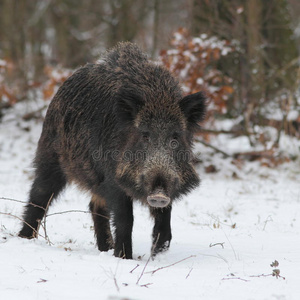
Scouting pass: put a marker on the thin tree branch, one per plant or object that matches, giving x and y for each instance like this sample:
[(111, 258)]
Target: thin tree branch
[(16, 217), (45, 218), (143, 271), (221, 244), (168, 266), (237, 278), (213, 147)]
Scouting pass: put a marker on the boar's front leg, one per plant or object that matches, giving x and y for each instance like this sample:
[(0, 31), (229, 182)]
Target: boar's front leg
[(100, 215), (122, 214), (161, 236)]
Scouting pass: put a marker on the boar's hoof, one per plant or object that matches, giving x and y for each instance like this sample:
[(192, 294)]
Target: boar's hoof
[(28, 233), (158, 200)]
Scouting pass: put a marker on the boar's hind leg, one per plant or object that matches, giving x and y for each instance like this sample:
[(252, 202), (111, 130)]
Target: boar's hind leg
[(48, 183), (161, 236), (123, 222), (100, 217)]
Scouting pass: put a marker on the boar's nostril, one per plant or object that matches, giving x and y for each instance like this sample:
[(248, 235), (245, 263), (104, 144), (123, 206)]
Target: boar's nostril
[(158, 200)]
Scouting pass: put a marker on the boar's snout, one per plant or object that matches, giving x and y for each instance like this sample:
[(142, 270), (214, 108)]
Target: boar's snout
[(158, 199), (160, 187)]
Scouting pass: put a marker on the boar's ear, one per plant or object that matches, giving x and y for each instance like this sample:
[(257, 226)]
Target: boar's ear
[(194, 109), (128, 106)]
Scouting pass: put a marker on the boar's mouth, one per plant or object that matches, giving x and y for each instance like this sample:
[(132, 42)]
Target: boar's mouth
[(158, 199)]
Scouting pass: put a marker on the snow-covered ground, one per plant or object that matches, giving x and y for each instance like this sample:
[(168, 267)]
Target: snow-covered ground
[(225, 234)]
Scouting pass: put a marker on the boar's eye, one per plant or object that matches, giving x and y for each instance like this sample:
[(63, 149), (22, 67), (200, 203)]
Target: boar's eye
[(146, 136)]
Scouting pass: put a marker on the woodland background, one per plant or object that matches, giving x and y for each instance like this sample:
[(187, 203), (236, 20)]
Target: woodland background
[(244, 54), (237, 236)]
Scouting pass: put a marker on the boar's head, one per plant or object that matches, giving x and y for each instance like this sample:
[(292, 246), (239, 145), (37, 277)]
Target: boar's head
[(156, 161)]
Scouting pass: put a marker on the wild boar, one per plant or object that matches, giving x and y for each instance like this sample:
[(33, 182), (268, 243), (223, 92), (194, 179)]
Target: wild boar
[(122, 130)]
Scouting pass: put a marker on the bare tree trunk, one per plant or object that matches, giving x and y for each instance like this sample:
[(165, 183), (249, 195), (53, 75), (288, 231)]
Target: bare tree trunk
[(14, 43), (255, 90), (254, 52), (155, 26)]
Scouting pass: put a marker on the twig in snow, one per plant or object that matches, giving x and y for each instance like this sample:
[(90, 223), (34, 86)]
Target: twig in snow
[(116, 283), (76, 211), (46, 236), (10, 199), (115, 278), (275, 273), (230, 245), (171, 265), (56, 213), (269, 219), (188, 275), (16, 217), (112, 275), (24, 202), (261, 275), (212, 245), (146, 285), (237, 278), (45, 217), (143, 270), (216, 256), (134, 268), (147, 262)]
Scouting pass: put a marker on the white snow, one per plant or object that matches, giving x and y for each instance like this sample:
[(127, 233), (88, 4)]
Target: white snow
[(256, 214), (200, 81), (3, 63)]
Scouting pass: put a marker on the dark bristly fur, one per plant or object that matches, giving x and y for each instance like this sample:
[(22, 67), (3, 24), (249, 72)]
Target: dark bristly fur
[(122, 130)]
